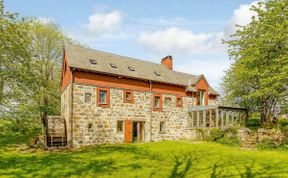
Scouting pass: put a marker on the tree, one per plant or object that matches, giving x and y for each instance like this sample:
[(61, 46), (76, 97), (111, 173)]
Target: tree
[(31, 53), (47, 48), (15, 60), (258, 77), (14, 55)]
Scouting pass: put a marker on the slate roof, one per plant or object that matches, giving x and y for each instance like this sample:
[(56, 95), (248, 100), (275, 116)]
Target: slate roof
[(79, 57)]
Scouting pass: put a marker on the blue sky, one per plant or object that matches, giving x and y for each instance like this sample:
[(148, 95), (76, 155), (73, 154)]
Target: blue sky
[(190, 31)]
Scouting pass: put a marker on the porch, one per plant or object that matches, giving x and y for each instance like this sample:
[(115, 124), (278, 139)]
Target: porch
[(216, 116)]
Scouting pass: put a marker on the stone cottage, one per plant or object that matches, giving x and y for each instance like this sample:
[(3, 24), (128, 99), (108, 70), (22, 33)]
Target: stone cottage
[(108, 98)]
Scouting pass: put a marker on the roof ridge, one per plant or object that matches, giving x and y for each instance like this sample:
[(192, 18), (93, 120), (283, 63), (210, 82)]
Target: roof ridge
[(109, 53), (187, 73), (131, 58)]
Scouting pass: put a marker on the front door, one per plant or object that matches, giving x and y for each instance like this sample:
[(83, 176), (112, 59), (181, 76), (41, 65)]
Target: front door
[(128, 131), (138, 131)]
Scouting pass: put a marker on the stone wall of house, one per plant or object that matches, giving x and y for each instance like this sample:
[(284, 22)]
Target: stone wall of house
[(66, 99), (103, 121), (175, 120)]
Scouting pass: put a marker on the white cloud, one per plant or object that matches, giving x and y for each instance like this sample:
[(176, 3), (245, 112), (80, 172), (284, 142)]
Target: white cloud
[(103, 23), (161, 21), (175, 39), (241, 16), (213, 69), (179, 40)]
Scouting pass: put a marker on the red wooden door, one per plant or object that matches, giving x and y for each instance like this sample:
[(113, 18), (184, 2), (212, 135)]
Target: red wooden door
[(128, 131)]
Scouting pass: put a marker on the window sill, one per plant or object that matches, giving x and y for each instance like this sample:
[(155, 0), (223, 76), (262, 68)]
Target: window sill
[(157, 109), (127, 101), (103, 105)]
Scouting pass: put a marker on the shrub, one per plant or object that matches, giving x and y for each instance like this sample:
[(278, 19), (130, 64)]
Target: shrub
[(229, 140), (231, 131), (21, 126), (282, 123), (215, 134), (200, 134), (254, 123), (226, 137)]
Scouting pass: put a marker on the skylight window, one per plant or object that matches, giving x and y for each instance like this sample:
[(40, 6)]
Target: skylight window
[(157, 73), (113, 65), (93, 61), (131, 68)]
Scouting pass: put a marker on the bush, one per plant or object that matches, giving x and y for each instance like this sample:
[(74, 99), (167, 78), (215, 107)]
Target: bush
[(229, 140), (254, 123), (226, 137), (282, 123), (200, 134), (22, 126), (215, 134)]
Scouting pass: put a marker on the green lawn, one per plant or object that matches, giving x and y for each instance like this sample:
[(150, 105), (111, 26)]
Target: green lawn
[(162, 159)]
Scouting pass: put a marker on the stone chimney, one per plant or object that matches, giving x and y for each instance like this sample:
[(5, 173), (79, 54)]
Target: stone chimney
[(168, 62)]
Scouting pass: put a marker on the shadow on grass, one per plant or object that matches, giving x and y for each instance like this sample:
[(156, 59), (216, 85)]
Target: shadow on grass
[(93, 160), (111, 160)]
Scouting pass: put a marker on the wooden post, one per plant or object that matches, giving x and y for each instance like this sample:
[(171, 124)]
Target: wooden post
[(222, 118), (240, 119), (236, 118), (210, 118), (192, 125), (204, 119), (198, 119), (246, 118), (227, 117), (217, 118), (138, 131), (232, 120)]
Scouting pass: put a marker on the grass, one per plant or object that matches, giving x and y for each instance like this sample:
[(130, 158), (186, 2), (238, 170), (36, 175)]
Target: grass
[(161, 159)]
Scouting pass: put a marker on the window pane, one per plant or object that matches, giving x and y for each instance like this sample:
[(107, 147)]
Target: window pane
[(119, 126), (179, 101), (203, 98), (161, 126), (157, 102), (128, 96), (102, 97), (201, 95), (87, 97)]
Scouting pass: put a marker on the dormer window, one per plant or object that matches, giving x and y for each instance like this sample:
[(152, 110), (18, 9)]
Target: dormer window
[(201, 98), (93, 61), (113, 65), (157, 73), (131, 68)]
